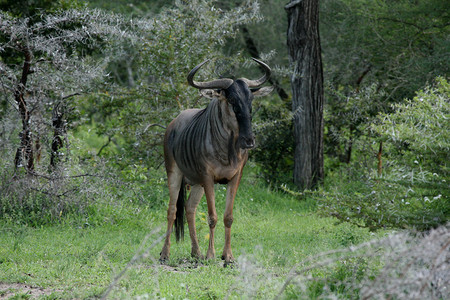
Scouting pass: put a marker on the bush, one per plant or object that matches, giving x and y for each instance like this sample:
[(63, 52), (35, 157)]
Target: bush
[(37, 200), (412, 191), (383, 203), (275, 142), (399, 266), (419, 132), (92, 193)]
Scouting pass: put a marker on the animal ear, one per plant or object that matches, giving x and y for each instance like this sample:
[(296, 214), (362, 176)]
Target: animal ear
[(210, 94), (261, 92)]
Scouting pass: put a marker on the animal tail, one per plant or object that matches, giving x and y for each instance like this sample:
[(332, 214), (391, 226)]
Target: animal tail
[(179, 219)]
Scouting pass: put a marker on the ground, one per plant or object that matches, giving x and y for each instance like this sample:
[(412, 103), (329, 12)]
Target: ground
[(8, 290)]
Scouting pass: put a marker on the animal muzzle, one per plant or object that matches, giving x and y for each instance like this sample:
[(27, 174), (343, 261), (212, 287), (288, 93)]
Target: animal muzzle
[(247, 142)]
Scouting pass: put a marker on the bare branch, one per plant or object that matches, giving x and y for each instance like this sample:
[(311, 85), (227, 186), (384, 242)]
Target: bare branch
[(292, 4), (105, 145), (69, 96), (152, 125), (48, 177)]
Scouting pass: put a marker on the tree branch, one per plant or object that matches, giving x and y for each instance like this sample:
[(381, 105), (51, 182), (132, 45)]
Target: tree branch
[(292, 4), (63, 177), (412, 24), (105, 145), (71, 95), (154, 124), (253, 51), (53, 194)]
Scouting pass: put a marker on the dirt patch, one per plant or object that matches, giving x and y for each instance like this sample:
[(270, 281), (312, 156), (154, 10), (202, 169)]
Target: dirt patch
[(8, 290), (184, 265), (181, 266)]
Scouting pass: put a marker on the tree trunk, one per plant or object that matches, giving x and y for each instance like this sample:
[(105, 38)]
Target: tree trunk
[(59, 130), (380, 163), (24, 154), (303, 43)]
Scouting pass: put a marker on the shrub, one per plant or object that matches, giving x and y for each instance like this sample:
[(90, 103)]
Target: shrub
[(412, 191), (37, 200), (383, 203), (419, 131), (275, 142), (400, 266)]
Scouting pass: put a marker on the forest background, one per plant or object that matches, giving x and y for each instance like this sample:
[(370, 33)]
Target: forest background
[(88, 87)]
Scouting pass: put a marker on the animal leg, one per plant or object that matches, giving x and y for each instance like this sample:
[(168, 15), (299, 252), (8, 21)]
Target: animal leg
[(191, 207), (212, 217), (174, 182), (232, 187)]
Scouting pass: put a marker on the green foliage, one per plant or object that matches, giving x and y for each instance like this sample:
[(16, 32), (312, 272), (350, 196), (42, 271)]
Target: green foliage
[(26, 8), (419, 131), (413, 190), (394, 267), (133, 7), (392, 48), (376, 203), (39, 201), (360, 79), (88, 196), (335, 279), (346, 117), (272, 127), (411, 35)]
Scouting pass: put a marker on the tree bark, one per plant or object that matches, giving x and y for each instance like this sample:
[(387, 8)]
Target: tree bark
[(303, 43), (24, 154), (59, 130)]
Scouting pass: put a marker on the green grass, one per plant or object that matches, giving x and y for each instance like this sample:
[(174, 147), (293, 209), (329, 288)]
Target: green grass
[(271, 233)]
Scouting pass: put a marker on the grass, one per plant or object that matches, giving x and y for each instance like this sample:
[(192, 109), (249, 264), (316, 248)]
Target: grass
[(271, 233)]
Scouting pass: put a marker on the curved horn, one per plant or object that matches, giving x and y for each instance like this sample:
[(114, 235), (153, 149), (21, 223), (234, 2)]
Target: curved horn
[(214, 84), (260, 81)]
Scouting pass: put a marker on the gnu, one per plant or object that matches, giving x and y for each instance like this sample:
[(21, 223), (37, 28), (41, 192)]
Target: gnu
[(207, 146)]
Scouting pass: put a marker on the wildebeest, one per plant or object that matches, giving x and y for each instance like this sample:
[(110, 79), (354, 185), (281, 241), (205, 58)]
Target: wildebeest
[(207, 146)]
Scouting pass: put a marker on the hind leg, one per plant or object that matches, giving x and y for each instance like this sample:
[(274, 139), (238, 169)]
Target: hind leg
[(212, 216), (174, 181), (191, 207)]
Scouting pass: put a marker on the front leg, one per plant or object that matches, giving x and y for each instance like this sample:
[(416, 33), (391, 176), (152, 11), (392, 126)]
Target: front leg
[(232, 187), (212, 216)]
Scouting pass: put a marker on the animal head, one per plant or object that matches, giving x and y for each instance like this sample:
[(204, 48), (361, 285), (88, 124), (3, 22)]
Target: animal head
[(238, 94)]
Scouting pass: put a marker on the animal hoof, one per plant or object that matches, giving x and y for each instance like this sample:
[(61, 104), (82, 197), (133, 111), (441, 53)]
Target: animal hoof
[(228, 258), (163, 259), (198, 257), (230, 264)]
